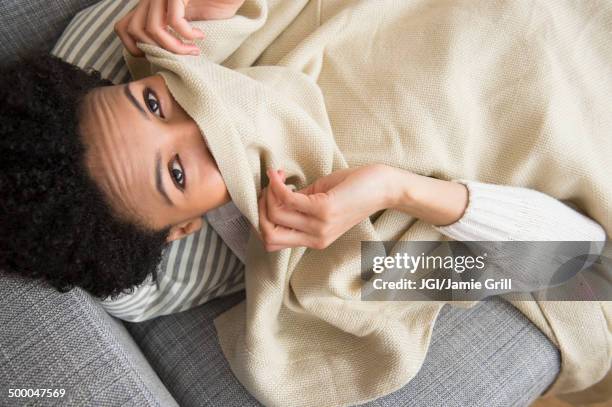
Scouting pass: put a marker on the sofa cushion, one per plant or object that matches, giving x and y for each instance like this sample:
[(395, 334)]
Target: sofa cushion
[(89, 41), (489, 355), (33, 25)]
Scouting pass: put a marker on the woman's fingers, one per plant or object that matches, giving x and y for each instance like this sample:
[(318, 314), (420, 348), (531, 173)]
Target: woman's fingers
[(276, 237), (156, 29), (282, 215), (265, 226), (121, 30), (309, 204), (137, 24), (176, 19), (148, 23)]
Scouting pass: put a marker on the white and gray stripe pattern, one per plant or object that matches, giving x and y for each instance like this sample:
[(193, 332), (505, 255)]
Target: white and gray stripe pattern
[(90, 42), (193, 270)]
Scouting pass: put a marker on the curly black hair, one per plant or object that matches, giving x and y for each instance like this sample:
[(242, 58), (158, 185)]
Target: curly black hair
[(55, 222)]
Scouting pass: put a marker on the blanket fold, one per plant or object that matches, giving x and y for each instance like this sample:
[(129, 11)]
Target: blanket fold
[(508, 92)]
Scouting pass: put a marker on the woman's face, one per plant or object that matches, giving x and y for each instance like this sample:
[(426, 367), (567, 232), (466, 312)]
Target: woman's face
[(149, 156)]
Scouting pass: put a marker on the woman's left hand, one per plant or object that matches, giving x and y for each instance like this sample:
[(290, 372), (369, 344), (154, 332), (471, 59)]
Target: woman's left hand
[(149, 21), (318, 214)]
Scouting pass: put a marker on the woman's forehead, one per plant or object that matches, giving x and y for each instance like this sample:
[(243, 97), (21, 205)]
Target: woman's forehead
[(120, 147)]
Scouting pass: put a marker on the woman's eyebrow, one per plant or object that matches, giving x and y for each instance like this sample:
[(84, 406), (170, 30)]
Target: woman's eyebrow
[(158, 180), (131, 98)]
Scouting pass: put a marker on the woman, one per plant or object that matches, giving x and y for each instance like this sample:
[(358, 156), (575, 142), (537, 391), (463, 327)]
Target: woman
[(115, 172)]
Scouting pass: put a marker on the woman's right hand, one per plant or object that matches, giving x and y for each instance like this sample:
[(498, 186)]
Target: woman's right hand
[(149, 21), (317, 215)]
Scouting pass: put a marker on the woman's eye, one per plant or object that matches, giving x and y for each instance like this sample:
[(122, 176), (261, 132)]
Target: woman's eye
[(177, 173), (153, 103)]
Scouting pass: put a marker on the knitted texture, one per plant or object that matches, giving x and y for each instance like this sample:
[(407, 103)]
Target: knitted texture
[(505, 92)]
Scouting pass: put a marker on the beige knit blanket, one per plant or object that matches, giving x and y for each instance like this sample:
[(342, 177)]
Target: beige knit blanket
[(511, 92)]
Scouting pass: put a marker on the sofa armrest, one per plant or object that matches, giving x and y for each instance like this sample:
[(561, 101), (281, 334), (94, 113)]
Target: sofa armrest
[(50, 340)]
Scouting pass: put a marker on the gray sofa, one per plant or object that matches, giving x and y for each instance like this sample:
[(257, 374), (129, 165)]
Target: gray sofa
[(490, 355)]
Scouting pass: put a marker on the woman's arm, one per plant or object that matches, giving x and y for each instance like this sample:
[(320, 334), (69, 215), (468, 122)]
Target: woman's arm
[(467, 210), (317, 215), (503, 213)]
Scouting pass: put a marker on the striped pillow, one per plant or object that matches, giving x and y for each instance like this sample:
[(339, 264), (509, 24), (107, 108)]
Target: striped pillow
[(194, 269)]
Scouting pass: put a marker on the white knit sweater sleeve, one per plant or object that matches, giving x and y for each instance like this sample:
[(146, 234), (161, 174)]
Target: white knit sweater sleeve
[(507, 213)]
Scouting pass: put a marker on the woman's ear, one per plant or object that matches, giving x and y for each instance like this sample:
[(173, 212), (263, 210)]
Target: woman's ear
[(184, 228)]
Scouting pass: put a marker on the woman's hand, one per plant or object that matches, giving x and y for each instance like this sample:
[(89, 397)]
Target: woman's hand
[(149, 21), (318, 214)]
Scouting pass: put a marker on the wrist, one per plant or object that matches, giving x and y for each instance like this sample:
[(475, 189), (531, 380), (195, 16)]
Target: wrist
[(437, 202), (402, 189)]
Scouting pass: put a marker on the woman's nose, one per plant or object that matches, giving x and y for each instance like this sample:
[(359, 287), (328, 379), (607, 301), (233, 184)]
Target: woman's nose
[(184, 128), (187, 132)]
